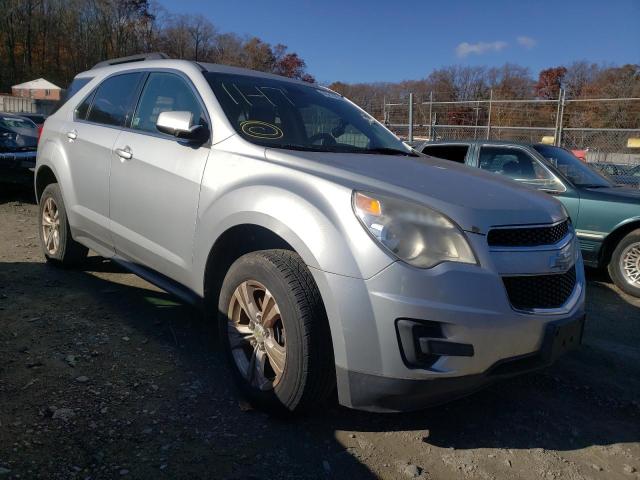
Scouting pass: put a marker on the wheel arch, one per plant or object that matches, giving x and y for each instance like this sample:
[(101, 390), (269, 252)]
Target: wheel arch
[(611, 241), (243, 238), (44, 176), (231, 245)]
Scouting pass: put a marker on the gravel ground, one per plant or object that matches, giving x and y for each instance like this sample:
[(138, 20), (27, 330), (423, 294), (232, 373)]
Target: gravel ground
[(104, 376)]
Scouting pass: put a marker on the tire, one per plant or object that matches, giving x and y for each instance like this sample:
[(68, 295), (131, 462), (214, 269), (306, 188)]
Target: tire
[(290, 318), (624, 267), (58, 246)]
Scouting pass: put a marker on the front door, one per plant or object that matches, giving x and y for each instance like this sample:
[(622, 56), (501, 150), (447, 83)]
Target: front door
[(155, 181)]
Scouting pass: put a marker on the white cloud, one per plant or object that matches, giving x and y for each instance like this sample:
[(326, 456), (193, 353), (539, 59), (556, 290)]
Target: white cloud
[(479, 48), (527, 42)]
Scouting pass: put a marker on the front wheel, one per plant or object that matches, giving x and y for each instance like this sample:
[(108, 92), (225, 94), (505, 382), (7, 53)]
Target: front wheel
[(274, 330), (624, 266)]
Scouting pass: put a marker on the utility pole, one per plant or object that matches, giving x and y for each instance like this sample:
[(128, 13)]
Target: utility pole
[(431, 115), (410, 137), (489, 116)]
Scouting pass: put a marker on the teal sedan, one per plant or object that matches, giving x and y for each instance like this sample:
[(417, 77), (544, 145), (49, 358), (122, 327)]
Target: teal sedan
[(606, 216)]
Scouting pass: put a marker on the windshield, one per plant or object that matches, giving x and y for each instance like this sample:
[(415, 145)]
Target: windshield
[(282, 114), (14, 122), (635, 171), (579, 173)]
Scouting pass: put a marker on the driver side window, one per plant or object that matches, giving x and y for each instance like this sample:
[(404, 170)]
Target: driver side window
[(165, 92), (320, 122), (519, 166)]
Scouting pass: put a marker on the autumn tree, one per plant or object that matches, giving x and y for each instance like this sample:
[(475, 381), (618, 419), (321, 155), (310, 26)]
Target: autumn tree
[(56, 39), (290, 64), (550, 81)]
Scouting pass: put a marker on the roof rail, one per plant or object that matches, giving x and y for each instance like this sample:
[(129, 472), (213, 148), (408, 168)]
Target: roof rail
[(131, 58)]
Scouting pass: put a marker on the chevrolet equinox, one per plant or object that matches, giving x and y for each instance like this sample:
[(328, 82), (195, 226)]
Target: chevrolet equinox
[(332, 256)]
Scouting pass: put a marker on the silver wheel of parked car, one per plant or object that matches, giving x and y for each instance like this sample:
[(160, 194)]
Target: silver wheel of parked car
[(256, 335), (624, 266), (51, 226), (630, 264)]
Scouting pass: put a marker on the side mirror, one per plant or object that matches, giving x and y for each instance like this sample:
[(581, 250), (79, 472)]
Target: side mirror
[(179, 125)]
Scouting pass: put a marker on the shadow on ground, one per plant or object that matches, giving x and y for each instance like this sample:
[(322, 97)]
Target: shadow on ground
[(145, 352), (16, 192)]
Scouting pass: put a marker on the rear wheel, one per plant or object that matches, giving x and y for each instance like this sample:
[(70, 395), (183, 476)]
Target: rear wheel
[(55, 234), (624, 266), (275, 332)]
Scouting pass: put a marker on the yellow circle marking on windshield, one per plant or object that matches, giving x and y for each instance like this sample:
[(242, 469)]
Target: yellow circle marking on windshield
[(258, 129)]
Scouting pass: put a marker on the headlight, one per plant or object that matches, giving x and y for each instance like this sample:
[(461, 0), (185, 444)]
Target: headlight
[(414, 233)]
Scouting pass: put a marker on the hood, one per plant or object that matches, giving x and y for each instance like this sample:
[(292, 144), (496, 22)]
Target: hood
[(615, 194), (475, 199)]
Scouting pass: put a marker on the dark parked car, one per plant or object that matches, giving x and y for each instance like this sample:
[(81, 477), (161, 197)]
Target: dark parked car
[(36, 118), (621, 174), (18, 145), (606, 216)]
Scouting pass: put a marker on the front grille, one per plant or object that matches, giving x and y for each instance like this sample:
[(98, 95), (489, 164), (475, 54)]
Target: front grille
[(528, 236), (540, 291)]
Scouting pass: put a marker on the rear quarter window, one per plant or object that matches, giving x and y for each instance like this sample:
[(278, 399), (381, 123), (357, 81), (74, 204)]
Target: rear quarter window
[(75, 86)]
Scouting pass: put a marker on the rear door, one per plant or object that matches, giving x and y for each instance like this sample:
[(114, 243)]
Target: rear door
[(155, 192), (90, 138)]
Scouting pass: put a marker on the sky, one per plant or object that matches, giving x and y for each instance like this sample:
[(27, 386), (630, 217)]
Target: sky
[(375, 40)]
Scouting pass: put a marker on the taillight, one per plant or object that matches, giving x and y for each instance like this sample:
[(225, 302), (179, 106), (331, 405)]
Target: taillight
[(39, 132)]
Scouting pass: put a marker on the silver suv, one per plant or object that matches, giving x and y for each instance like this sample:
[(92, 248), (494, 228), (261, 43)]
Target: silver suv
[(332, 256)]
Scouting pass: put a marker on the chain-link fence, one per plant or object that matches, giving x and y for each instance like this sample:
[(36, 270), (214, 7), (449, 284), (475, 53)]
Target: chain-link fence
[(602, 131)]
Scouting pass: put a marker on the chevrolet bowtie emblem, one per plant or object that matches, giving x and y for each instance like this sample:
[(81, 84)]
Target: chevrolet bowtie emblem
[(561, 260)]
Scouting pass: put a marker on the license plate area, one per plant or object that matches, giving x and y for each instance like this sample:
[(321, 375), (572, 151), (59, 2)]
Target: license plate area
[(561, 337)]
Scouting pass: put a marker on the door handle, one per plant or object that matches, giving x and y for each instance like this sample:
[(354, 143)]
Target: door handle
[(72, 135), (125, 153)]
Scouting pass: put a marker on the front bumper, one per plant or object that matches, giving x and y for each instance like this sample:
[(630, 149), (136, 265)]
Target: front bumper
[(18, 159), (469, 304), (385, 394), (17, 166)]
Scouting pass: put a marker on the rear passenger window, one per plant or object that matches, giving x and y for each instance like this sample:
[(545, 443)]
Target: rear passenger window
[(456, 153), (113, 101)]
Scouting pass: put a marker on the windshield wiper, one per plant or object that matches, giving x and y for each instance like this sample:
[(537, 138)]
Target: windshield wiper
[(384, 151), (342, 149), (302, 148)]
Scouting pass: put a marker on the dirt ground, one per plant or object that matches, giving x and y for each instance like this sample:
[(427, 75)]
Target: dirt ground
[(104, 376)]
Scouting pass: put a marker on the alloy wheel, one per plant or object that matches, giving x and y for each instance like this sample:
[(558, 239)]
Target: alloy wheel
[(51, 226), (630, 264), (256, 335)]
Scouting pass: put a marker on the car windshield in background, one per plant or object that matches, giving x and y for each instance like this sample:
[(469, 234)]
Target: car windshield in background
[(282, 114), (15, 122), (579, 173)]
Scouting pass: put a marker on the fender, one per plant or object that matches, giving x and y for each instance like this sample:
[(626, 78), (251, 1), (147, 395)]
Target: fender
[(326, 234)]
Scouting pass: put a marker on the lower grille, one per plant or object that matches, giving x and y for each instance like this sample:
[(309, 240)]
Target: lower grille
[(540, 291)]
